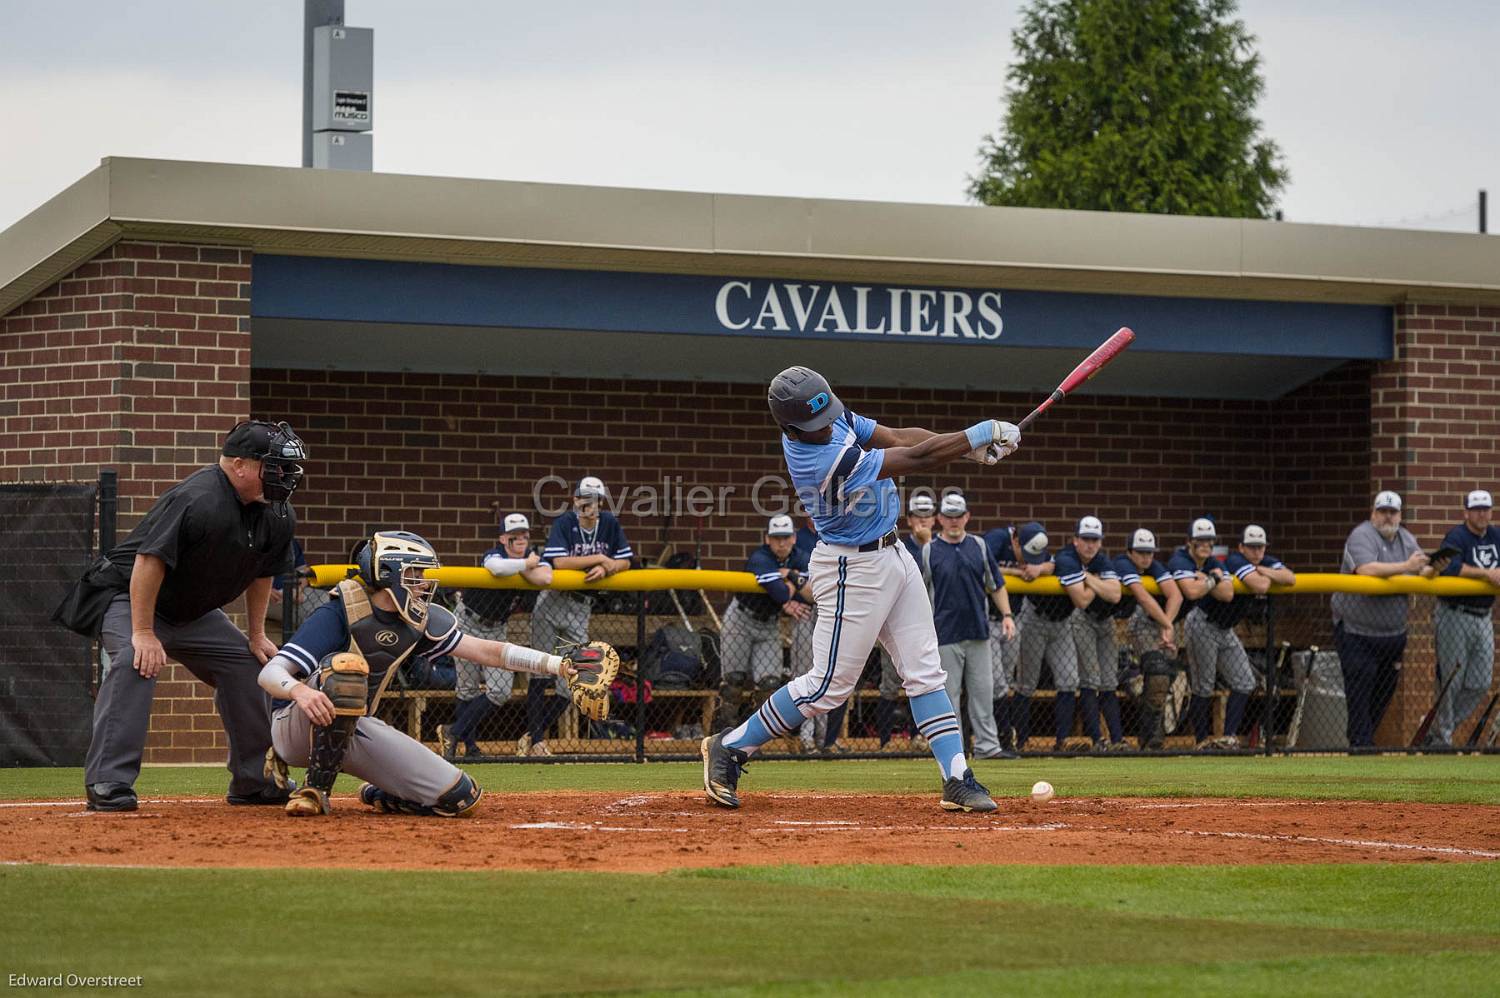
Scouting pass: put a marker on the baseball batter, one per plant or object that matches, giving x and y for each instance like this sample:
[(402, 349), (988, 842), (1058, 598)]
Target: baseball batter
[(338, 664), (866, 584)]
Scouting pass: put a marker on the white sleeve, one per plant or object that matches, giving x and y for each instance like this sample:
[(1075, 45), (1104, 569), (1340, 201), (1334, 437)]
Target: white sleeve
[(275, 678), (502, 567)]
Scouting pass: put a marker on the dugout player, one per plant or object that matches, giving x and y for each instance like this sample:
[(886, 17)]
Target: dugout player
[(587, 538), (750, 645), (842, 466), (1091, 582), (337, 665), (1150, 628), (483, 613), (963, 577), (223, 531), (1045, 637), (1005, 642), (1463, 628)]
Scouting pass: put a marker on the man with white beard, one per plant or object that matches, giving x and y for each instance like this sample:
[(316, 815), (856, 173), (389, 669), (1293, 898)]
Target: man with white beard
[(1370, 631)]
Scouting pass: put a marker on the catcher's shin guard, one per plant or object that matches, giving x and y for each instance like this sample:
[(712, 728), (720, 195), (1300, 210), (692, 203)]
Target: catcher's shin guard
[(345, 680), (458, 802), (1158, 682)]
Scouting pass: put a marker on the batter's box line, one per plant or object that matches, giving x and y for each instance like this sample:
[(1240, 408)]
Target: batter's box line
[(1352, 843)]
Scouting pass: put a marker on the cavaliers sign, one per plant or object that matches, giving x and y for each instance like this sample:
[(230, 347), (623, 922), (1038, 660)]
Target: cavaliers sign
[(820, 309)]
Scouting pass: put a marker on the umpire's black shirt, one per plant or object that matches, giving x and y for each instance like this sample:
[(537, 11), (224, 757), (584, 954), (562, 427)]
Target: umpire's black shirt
[(213, 545)]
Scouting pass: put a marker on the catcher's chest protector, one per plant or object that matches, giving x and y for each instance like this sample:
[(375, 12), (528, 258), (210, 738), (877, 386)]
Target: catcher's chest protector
[(384, 646)]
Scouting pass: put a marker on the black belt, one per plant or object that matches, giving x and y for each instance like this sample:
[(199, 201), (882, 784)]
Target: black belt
[(1473, 611), (883, 542)]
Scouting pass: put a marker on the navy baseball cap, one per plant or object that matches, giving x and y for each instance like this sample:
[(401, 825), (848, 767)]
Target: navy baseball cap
[(1033, 538)]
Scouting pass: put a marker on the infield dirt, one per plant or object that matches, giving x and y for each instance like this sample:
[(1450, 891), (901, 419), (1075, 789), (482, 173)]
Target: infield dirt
[(648, 832)]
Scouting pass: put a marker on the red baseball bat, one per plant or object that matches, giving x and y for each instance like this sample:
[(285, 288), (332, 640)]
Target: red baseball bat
[(1092, 365)]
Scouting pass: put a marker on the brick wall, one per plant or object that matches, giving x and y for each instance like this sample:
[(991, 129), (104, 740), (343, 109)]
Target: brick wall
[(138, 360), (435, 452)]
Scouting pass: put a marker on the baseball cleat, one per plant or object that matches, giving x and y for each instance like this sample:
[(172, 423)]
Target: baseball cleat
[(110, 797), (721, 770), (308, 802), (966, 794)]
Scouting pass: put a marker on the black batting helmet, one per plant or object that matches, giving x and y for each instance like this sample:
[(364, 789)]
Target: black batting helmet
[(801, 397)]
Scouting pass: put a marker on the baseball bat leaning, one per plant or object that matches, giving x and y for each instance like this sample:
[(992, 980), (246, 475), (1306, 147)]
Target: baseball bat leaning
[(1431, 715), (1092, 365), (1294, 731), (1483, 720)]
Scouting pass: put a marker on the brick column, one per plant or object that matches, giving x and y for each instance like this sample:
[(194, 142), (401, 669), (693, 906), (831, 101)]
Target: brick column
[(1435, 427), (138, 360)]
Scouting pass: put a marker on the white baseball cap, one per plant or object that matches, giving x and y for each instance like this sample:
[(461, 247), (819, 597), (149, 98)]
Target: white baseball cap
[(514, 522), (1254, 536), (588, 485), (1143, 540), (921, 504), (1478, 499), (953, 505), (1203, 529), (1090, 528), (1388, 500), (780, 526)]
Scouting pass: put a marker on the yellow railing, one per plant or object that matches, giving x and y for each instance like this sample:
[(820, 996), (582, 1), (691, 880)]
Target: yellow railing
[(743, 582)]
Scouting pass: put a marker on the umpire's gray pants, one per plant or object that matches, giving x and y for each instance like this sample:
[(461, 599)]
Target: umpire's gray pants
[(1050, 641), (475, 679), (559, 619), (1004, 656), (377, 754), (1098, 656), (212, 649), (1215, 652), (967, 665), (1462, 641), (750, 646)]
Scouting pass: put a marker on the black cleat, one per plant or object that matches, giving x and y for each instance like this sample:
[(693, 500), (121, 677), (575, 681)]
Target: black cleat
[(110, 797), (270, 795), (721, 770), (967, 794)]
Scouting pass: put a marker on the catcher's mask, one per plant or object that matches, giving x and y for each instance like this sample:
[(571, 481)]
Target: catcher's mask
[(277, 448), (394, 560)]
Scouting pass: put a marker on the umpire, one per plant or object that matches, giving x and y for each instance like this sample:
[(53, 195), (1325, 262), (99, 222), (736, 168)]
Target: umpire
[(223, 531)]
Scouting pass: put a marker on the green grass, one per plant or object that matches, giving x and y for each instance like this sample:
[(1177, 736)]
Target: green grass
[(1367, 930), (1438, 779), (879, 930)]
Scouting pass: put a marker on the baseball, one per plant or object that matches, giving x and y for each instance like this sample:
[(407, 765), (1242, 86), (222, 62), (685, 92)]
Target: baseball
[(1041, 792)]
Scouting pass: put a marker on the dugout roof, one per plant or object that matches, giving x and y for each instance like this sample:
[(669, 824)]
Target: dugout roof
[(444, 274)]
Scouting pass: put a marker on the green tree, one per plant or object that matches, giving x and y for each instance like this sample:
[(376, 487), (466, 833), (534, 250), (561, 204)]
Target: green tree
[(1132, 105)]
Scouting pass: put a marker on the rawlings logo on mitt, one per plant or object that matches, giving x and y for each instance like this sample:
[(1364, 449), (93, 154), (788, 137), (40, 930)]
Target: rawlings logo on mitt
[(597, 664)]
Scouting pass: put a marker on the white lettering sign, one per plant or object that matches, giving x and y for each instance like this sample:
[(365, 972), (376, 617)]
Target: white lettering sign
[(786, 307)]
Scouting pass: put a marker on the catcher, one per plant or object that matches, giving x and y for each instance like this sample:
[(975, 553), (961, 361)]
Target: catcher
[(337, 665)]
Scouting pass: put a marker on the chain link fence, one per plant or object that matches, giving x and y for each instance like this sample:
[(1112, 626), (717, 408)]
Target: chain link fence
[(1306, 670)]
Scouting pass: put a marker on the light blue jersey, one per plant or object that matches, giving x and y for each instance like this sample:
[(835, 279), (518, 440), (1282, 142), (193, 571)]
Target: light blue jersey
[(840, 485)]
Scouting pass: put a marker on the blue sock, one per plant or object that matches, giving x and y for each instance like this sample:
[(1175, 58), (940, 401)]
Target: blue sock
[(935, 719), (1234, 712), (1064, 715), (1088, 702), (1109, 706), (777, 717)]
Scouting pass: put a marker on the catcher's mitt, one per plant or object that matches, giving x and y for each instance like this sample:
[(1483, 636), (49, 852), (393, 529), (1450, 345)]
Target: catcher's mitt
[(597, 664)]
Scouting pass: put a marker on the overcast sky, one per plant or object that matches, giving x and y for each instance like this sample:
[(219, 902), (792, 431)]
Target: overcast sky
[(1385, 111)]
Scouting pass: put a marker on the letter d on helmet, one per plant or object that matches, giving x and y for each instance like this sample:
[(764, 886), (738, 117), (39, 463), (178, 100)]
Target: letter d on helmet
[(802, 398)]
